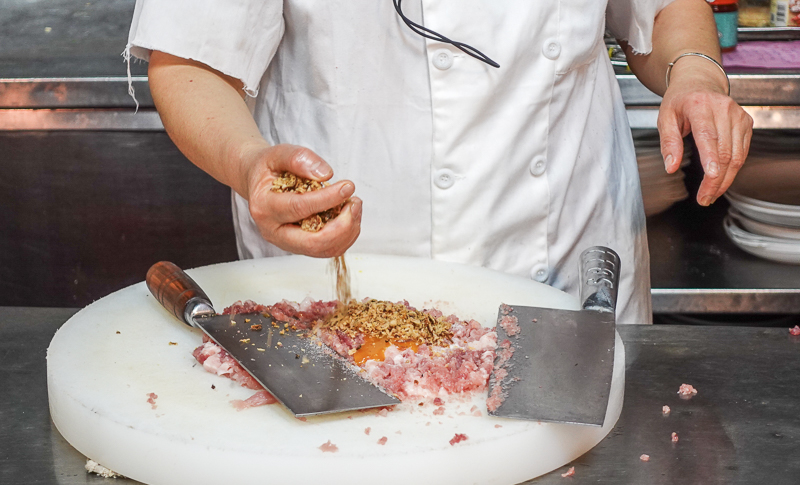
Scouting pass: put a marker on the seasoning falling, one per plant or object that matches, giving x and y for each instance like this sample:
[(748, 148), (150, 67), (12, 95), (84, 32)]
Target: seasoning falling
[(343, 291), (288, 182)]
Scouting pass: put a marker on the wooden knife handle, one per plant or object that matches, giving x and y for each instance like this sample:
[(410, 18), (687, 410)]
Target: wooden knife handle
[(174, 289)]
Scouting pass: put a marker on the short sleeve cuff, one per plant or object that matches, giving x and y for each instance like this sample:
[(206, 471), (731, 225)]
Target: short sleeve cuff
[(236, 37), (632, 21)]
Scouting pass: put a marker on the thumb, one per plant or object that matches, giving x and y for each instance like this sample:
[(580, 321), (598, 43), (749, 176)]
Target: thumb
[(300, 161), (671, 139)]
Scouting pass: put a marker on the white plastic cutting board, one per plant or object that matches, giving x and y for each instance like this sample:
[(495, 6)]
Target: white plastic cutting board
[(104, 361)]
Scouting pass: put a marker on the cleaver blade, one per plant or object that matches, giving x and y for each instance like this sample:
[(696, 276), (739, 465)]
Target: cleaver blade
[(563, 360), (304, 376)]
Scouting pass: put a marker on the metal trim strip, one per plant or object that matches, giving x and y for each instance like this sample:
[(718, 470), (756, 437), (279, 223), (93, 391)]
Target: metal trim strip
[(746, 89), (70, 92), (79, 120), (702, 300), (764, 117)]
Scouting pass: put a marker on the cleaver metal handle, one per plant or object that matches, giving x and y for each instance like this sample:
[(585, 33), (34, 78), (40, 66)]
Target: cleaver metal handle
[(599, 273), (177, 292)]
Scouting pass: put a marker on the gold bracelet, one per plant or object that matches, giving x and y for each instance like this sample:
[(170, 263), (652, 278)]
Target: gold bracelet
[(669, 69)]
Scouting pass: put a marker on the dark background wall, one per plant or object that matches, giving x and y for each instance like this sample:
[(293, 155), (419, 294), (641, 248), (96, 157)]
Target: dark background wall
[(83, 214)]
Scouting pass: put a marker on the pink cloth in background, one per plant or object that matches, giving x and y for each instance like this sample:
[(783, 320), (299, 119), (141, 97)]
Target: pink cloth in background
[(764, 55)]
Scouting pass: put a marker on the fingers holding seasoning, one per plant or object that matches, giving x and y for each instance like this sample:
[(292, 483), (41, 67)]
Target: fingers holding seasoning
[(326, 230), (312, 213), (296, 209)]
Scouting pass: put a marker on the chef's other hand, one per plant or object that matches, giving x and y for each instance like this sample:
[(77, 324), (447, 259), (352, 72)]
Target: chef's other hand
[(276, 214), (697, 102)]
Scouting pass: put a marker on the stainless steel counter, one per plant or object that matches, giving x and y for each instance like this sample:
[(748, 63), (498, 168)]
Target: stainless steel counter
[(743, 426)]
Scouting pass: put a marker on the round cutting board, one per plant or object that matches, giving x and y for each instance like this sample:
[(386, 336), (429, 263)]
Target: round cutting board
[(106, 360)]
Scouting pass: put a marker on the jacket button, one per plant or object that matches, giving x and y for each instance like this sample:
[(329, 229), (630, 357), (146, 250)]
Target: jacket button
[(551, 49), (444, 178), (540, 273), (538, 166), (442, 59)]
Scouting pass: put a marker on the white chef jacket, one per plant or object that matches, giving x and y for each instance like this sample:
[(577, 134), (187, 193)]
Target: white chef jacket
[(518, 169)]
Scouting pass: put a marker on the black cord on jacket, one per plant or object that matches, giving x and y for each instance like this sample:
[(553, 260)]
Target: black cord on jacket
[(430, 34)]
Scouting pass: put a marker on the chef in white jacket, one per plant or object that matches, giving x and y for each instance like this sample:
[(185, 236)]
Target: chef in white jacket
[(517, 168)]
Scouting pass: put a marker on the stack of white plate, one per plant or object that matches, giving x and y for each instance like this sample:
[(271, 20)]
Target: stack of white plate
[(764, 218)]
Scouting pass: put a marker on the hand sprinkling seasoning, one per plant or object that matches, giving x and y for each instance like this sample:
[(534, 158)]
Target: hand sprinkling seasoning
[(288, 182)]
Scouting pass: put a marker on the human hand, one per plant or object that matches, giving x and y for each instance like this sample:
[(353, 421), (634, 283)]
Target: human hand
[(276, 214), (696, 102)]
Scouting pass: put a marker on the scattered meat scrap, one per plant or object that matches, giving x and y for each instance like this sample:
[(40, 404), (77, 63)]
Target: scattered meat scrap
[(438, 401), (329, 447), (645, 457), (570, 472), (438, 411), (686, 391), (665, 410), (367, 430), (795, 331), (383, 441), (458, 438), (260, 398), (217, 361), (498, 425), (151, 399), (674, 437)]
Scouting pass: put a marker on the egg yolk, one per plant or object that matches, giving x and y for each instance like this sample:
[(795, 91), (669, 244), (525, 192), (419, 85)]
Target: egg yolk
[(375, 349)]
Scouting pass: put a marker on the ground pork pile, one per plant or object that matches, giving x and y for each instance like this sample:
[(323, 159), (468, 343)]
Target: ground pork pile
[(414, 354)]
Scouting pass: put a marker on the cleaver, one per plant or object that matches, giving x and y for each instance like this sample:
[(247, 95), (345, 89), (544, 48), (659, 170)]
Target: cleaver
[(562, 362), (304, 376)]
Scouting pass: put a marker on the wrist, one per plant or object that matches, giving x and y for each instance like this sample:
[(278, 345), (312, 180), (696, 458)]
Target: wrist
[(246, 161), (697, 71)]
